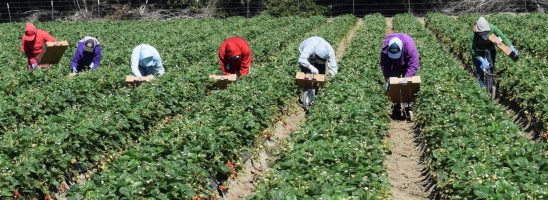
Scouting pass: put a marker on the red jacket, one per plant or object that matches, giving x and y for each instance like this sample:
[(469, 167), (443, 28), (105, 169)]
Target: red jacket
[(33, 42), (235, 46)]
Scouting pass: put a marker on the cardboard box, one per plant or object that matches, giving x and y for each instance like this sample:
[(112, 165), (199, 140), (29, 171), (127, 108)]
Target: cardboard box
[(402, 90), (130, 79), (52, 53), (498, 42), (309, 80), (223, 80)]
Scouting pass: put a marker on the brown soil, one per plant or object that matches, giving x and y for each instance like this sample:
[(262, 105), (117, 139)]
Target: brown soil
[(343, 45), (421, 20), (245, 184), (402, 165), (265, 153), (389, 27)]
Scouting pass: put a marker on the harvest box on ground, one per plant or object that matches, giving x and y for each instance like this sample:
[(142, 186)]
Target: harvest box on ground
[(130, 79), (53, 51), (402, 90), (309, 80), (223, 80)]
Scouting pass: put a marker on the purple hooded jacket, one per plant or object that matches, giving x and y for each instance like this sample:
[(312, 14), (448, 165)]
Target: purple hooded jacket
[(409, 58), (82, 58)]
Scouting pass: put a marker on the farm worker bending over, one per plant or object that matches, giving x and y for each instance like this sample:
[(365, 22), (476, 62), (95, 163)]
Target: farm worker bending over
[(399, 56), (145, 61), (315, 53), (33, 42), (87, 56), (483, 50), (235, 56)]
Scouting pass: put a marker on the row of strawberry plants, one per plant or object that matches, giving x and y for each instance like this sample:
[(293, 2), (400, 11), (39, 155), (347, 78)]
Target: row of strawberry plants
[(523, 82), (94, 135), (35, 104), (339, 153), (527, 32), (14, 141), (472, 149), (224, 126)]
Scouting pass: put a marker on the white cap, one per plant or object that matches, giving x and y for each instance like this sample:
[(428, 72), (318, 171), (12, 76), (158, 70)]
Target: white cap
[(482, 25), (395, 45)]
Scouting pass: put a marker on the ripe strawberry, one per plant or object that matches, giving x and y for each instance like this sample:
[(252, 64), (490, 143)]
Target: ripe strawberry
[(16, 194)]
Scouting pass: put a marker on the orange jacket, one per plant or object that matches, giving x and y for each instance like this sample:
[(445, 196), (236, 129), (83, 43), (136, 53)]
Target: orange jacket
[(235, 46), (34, 47)]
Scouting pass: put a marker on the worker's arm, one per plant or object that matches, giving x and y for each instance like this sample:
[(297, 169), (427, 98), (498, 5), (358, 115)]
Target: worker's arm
[(384, 64), (46, 36), (412, 59), (474, 50), (246, 62), (98, 55), (160, 65), (305, 53), (499, 33), (135, 61), (77, 57), (222, 58), (333, 69)]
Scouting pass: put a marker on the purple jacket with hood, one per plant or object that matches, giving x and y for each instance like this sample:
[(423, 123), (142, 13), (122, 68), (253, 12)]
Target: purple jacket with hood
[(82, 58), (409, 58)]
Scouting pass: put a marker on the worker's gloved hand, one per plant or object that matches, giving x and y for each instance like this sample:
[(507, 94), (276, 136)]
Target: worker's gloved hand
[(91, 66), (484, 63), (33, 66), (514, 50), (386, 87), (313, 69), (332, 72)]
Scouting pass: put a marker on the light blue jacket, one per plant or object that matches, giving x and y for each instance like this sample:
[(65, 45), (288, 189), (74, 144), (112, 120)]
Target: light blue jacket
[(317, 46), (145, 61)]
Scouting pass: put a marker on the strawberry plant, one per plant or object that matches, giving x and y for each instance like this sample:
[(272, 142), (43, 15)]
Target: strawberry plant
[(471, 147), (339, 152), (523, 82), (221, 129)]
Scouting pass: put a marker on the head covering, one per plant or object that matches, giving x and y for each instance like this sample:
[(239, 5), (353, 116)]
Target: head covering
[(232, 50), (30, 32), (89, 45), (482, 25), (395, 45), (322, 53), (146, 57)]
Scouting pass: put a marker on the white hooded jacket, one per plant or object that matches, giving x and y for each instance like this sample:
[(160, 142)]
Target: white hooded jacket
[(317, 46)]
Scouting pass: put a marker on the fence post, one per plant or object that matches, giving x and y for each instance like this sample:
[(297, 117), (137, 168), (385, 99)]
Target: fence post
[(98, 10), (353, 8), (9, 12), (51, 10)]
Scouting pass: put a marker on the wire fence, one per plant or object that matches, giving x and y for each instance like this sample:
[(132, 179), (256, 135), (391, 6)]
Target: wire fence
[(52, 10)]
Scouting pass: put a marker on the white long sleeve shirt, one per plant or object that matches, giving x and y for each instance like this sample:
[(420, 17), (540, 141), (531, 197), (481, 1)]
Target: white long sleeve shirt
[(145, 58), (319, 47)]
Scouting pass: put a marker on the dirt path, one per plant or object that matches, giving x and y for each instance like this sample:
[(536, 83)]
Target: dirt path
[(389, 27), (402, 166), (264, 154), (343, 45), (528, 129), (245, 184)]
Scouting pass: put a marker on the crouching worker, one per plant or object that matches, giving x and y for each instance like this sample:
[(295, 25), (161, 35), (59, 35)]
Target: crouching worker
[(316, 55), (399, 58), (483, 50), (146, 61), (32, 44), (235, 56), (87, 56)]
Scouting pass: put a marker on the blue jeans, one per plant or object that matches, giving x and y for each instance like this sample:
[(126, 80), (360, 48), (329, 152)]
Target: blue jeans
[(490, 55)]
